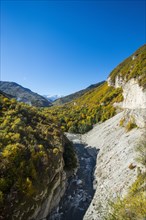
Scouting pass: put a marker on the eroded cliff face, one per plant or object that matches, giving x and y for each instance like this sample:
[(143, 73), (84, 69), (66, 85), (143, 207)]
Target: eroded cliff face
[(116, 147), (134, 95)]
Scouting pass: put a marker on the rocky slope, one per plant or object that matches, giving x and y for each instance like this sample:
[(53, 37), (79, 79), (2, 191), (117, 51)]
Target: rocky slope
[(116, 153)]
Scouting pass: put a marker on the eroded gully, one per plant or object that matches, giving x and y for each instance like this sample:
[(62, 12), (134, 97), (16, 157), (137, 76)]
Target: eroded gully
[(79, 192)]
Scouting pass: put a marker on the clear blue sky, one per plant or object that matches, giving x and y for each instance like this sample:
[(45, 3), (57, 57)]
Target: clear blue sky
[(59, 47)]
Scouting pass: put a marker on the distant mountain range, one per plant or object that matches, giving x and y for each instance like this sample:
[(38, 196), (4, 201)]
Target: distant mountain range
[(52, 98), (23, 94), (14, 90), (75, 95)]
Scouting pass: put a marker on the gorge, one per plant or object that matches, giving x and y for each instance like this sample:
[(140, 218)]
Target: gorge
[(79, 192), (44, 176)]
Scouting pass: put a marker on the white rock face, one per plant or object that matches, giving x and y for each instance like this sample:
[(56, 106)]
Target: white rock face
[(134, 95), (119, 82), (112, 174)]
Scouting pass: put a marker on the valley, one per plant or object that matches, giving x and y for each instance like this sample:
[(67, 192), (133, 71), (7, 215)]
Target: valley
[(84, 159)]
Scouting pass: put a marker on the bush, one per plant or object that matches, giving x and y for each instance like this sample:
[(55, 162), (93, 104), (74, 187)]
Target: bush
[(141, 151), (122, 122), (130, 125), (69, 156)]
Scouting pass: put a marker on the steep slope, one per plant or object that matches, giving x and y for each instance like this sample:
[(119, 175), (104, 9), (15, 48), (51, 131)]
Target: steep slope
[(116, 167), (23, 94), (126, 82), (75, 95), (117, 139), (134, 67), (33, 159)]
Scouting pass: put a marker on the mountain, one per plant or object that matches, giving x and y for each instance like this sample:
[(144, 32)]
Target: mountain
[(23, 94), (52, 98), (75, 95), (115, 112), (124, 86), (6, 95), (36, 158)]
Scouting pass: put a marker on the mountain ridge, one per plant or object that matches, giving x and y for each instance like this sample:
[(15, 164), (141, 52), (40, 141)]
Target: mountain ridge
[(75, 95), (23, 94)]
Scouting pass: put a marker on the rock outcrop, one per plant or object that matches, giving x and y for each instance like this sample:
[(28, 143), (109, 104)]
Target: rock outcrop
[(134, 95)]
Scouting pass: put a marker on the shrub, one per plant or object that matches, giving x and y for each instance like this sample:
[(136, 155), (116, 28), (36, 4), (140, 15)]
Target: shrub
[(122, 122), (69, 156), (141, 151), (55, 151), (130, 125)]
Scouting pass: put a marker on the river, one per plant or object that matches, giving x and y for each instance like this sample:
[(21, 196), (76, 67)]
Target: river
[(79, 192)]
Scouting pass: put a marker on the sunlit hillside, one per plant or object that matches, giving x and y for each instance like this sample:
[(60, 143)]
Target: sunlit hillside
[(96, 105), (31, 149), (81, 114), (133, 67)]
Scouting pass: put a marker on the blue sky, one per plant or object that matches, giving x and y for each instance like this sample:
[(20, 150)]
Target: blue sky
[(59, 47)]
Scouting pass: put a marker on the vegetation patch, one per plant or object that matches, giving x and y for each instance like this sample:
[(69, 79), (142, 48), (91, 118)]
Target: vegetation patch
[(31, 150), (133, 67), (133, 206), (130, 125), (122, 121), (80, 115), (69, 156)]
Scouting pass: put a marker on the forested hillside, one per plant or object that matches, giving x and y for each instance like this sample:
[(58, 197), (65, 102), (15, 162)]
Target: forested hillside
[(132, 67), (97, 104), (30, 150), (75, 95), (94, 106)]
